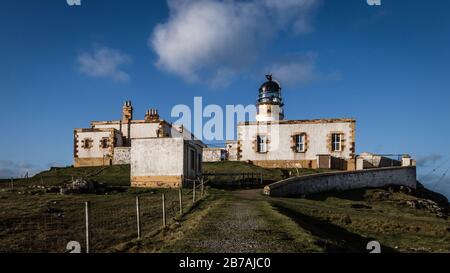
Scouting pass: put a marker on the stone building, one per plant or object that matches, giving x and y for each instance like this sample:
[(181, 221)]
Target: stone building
[(272, 141), (160, 154)]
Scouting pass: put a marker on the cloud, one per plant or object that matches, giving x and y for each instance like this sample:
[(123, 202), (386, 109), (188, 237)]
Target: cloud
[(14, 169), (438, 183), (296, 70), (426, 161), (104, 62), (299, 69), (212, 41)]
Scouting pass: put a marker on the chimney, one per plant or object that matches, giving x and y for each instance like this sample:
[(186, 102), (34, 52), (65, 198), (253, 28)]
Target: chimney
[(152, 115), (127, 111)]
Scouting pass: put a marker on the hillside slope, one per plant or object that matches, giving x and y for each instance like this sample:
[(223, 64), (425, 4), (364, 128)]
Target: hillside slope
[(247, 221)]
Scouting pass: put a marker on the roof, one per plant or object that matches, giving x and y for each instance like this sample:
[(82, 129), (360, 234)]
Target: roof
[(311, 121)]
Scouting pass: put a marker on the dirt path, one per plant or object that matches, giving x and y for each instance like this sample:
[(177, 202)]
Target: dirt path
[(244, 221)]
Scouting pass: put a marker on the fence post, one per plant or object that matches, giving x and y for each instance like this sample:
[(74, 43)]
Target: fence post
[(203, 187), (180, 196), (193, 193), (87, 212), (12, 183), (261, 178), (138, 218), (164, 209)]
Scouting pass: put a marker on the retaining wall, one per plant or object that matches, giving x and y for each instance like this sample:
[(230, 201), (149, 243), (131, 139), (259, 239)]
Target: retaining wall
[(341, 181)]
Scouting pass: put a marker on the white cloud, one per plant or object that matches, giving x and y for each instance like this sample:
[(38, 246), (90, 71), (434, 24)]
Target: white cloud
[(299, 69), (210, 41), (294, 70), (104, 62)]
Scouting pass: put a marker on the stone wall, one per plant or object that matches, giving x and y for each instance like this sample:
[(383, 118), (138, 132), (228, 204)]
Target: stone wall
[(213, 154), (341, 181), (121, 156)]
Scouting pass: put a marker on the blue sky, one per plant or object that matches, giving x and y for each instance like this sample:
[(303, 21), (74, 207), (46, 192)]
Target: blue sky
[(386, 66)]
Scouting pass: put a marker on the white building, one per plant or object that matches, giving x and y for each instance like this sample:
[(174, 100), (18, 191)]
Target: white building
[(160, 154), (271, 141)]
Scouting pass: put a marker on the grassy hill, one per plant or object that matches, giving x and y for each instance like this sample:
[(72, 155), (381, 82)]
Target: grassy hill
[(110, 175), (401, 219)]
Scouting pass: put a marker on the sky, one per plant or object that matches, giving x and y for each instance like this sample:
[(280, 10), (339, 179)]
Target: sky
[(386, 66)]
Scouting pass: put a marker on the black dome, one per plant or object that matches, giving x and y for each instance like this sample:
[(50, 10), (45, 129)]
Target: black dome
[(270, 92), (270, 85)]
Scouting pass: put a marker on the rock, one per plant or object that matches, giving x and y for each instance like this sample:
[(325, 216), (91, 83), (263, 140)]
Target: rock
[(82, 186), (428, 205)]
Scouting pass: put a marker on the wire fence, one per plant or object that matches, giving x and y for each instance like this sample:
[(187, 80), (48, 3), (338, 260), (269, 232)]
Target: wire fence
[(99, 223)]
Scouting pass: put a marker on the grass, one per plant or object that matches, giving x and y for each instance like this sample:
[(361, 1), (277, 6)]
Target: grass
[(111, 175), (356, 216), (246, 221), (225, 221), (36, 221)]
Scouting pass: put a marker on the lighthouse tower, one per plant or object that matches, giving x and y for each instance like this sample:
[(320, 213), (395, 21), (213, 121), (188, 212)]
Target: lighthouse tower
[(270, 104)]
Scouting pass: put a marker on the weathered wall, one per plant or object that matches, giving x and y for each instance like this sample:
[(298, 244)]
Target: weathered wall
[(281, 143), (157, 162), (340, 181), (232, 150), (193, 159), (95, 154), (377, 161), (122, 156), (213, 154), (164, 162)]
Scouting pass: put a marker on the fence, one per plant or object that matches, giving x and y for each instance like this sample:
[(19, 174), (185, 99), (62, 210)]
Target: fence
[(47, 223)]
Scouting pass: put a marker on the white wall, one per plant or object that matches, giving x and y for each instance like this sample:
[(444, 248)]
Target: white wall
[(157, 157), (95, 151), (121, 156), (280, 136)]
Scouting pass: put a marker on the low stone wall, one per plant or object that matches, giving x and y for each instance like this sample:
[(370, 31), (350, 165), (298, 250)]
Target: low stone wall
[(169, 181), (213, 154), (92, 162), (286, 164), (122, 156), (341, 181)]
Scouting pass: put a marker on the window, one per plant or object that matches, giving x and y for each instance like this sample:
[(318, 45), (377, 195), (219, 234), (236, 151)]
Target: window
[(336, 142), (262, 144), (104, 143), (300, 143), (192, 160), (87, 143)]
